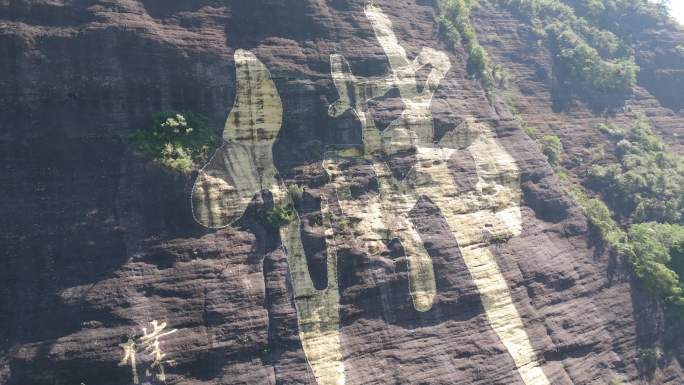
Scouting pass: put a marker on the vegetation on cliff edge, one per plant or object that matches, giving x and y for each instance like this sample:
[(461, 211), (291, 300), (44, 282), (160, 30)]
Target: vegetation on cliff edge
[(178, 141), (647, 188), (592, 57), (454, 20), (648, 182), (625, 18)]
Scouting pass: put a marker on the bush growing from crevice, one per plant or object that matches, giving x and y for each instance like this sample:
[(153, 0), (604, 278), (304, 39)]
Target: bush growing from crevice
[(647, 359), (552, 148), (285, 212), (281, 215), (605, 42), (530, 130), (654, 250), (599, 217), (181, 142)]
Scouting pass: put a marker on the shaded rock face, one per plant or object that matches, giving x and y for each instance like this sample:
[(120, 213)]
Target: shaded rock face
[(108, 279)]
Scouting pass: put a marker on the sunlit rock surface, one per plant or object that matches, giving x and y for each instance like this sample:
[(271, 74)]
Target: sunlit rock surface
[(432, 242)]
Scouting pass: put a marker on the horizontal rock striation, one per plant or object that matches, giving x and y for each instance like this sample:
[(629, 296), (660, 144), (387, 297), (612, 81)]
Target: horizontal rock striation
[(433, 246)]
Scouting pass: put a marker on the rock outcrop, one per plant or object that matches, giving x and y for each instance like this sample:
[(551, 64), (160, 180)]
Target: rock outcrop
[(424, 239)]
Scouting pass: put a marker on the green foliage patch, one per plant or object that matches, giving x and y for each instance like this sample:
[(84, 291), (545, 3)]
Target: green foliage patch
[(599, 217), (584, 63), (647, 186), (552, 148), (624, 17), (593, 57), (655, 251), (180, 142), (281, 215), (648, 182), (530, 130), (454, 20)]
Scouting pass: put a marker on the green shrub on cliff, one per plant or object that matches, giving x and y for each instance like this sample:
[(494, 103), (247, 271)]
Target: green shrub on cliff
[(592, 8), (179, 142), (647, 187), (605, 42), (584, 64), (593, 57), (552, 148), (454, 20), (647, 359), (281, 215), (599, 217), (648, 182), (655, 252)]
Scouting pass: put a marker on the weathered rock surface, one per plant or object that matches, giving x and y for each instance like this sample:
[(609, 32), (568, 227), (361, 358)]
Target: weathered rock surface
[(97, 242)]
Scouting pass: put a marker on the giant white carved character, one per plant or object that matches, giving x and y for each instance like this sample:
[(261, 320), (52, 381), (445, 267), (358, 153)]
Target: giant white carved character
[(244, 166), (492, 205)]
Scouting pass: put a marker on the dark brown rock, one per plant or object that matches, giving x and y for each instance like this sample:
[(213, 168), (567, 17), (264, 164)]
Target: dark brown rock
[(97, 242)]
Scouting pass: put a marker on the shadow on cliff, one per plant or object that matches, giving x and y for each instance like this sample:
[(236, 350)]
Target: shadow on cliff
[(53, 14), (164, 8), (565, 91), (61, 231), (283, 349), (658, 330), (60, 228), (254, 22), (278, 347), (72, 224)]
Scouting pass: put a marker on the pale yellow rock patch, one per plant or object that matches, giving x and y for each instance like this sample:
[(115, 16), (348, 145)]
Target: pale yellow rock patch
[(243, 165)]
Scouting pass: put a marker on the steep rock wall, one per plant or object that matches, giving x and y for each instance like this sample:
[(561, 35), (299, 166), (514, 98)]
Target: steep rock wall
[(99, 243)]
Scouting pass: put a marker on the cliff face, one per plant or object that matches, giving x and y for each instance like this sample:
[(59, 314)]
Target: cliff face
[(429, 241)]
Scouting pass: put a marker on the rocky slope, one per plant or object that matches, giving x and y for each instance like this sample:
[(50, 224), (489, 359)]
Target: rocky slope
[(429, 247)]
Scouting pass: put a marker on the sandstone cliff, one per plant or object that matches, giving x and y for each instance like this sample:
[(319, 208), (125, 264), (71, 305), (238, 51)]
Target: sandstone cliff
[(428, 239)]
